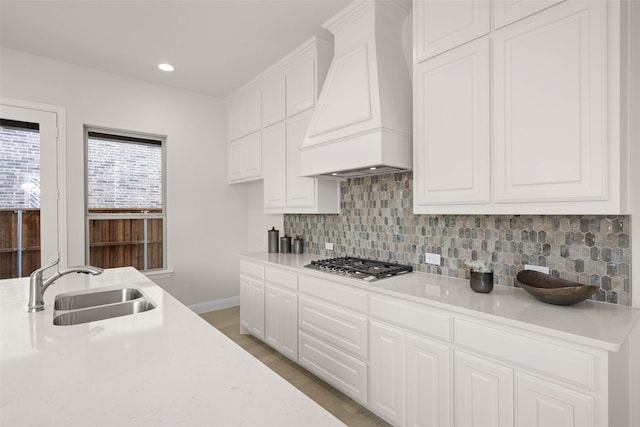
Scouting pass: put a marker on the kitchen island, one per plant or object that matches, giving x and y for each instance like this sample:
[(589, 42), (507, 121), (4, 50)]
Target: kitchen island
[(163, 367)]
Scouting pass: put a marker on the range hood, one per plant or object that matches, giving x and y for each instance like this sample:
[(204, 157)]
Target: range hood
[(362, 122)]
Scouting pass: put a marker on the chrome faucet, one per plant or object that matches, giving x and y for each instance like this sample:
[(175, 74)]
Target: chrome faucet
[(38, 285)]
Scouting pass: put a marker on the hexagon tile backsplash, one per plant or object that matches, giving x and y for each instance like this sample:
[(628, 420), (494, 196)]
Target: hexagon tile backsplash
[(376, 221)]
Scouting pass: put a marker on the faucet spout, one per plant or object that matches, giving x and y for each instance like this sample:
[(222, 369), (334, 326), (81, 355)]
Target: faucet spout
[(37, 285)]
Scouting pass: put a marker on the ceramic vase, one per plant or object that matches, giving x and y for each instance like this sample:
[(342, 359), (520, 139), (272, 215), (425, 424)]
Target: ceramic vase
[(481, 282)]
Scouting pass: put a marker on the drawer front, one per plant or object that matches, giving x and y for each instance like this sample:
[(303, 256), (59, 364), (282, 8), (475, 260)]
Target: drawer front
[(542, 356), (282, 278), (417, 317), (337, 326), (346, 373), (251, 269), (353, 298)]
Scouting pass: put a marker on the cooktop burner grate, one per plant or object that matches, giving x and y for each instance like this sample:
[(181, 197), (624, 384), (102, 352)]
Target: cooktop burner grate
[(360, 268)]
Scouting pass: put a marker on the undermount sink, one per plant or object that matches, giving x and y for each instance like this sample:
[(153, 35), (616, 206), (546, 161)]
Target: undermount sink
[(84, 299), (73, 308), (75, 317)]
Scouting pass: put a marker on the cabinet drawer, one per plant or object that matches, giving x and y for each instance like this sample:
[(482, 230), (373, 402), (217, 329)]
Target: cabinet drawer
[(334, 292), (542, 356), (342, 371), (251, 269), (341, 328), (282, 278), (417, 317)]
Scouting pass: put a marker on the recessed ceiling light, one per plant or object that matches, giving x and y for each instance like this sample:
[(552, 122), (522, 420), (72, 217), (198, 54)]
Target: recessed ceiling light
[(166, 67), (373, 168)]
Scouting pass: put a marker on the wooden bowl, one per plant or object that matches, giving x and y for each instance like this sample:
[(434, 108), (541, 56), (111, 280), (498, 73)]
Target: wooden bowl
[(554, 290)]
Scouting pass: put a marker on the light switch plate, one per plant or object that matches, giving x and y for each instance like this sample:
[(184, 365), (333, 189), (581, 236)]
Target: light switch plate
[(432, 258), (544, 270), (328, 246)]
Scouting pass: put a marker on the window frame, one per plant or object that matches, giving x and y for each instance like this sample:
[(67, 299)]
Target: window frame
[(130, 215)]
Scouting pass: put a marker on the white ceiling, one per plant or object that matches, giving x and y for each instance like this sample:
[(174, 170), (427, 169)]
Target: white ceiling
[(215, 45)]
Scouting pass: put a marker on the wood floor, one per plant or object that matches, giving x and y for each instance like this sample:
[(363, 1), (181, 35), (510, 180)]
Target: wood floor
[(342, 407)]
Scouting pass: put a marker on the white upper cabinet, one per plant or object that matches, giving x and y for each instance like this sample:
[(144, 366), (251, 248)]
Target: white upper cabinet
[(243, 108), (245, 158), (301, 83), (529, 118), (285, 191), (452, 122), (273, 98), (274, 155), (244, 148), (549, 120), (506, 12), (301, 191), (443, 25)]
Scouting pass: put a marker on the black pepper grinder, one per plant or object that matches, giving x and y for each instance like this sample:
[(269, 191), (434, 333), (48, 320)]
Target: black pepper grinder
[(273, 240), (285, 244), (298, 245)]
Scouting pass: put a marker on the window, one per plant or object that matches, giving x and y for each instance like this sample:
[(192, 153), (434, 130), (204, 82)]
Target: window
[(126, 218), (19, 198)]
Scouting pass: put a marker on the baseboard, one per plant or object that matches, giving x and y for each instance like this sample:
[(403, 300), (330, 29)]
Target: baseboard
[(219, 304)]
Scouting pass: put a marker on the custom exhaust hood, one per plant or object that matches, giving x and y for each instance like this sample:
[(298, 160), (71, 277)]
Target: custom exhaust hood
[(362, 122)]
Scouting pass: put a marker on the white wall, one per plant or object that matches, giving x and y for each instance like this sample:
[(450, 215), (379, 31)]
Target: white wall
[(207, 218)]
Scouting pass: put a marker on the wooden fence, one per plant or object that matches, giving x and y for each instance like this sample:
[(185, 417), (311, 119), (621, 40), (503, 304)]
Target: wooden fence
[(116, 242), (9, 237)]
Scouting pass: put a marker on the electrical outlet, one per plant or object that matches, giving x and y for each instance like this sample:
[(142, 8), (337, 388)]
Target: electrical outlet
[(432, 258), (541, 269), (328, 246)]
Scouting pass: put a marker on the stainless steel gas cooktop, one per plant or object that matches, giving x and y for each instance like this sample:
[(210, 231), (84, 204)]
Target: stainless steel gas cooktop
[(359, 268)]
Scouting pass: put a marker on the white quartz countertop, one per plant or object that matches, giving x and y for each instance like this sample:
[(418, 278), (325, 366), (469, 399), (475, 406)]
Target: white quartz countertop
[(164, 367), (597, 324)]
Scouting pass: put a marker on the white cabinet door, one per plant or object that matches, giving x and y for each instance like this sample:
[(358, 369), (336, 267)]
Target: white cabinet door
[(429, 388), (273, 98), (243, 111), (506, 12), (251, 109), (274, 155), (245, 158), (543, 404), (550, 106), (252, 146), (234, 118), (301, 84), (272, 318), (289, 313), (281, 320), (443, 25), (245, 310), (252, 306), (256, 303), (236, 161), (301, 191), (452, 145), (483, 392), (387, 372)]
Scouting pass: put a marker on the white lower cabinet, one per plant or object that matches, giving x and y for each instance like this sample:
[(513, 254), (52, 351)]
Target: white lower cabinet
[(483, 392), (281, 320), (387, 375), (429, 390), (418, 365), (543, 404), (252, 299), (346, 373), (333, 338)]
